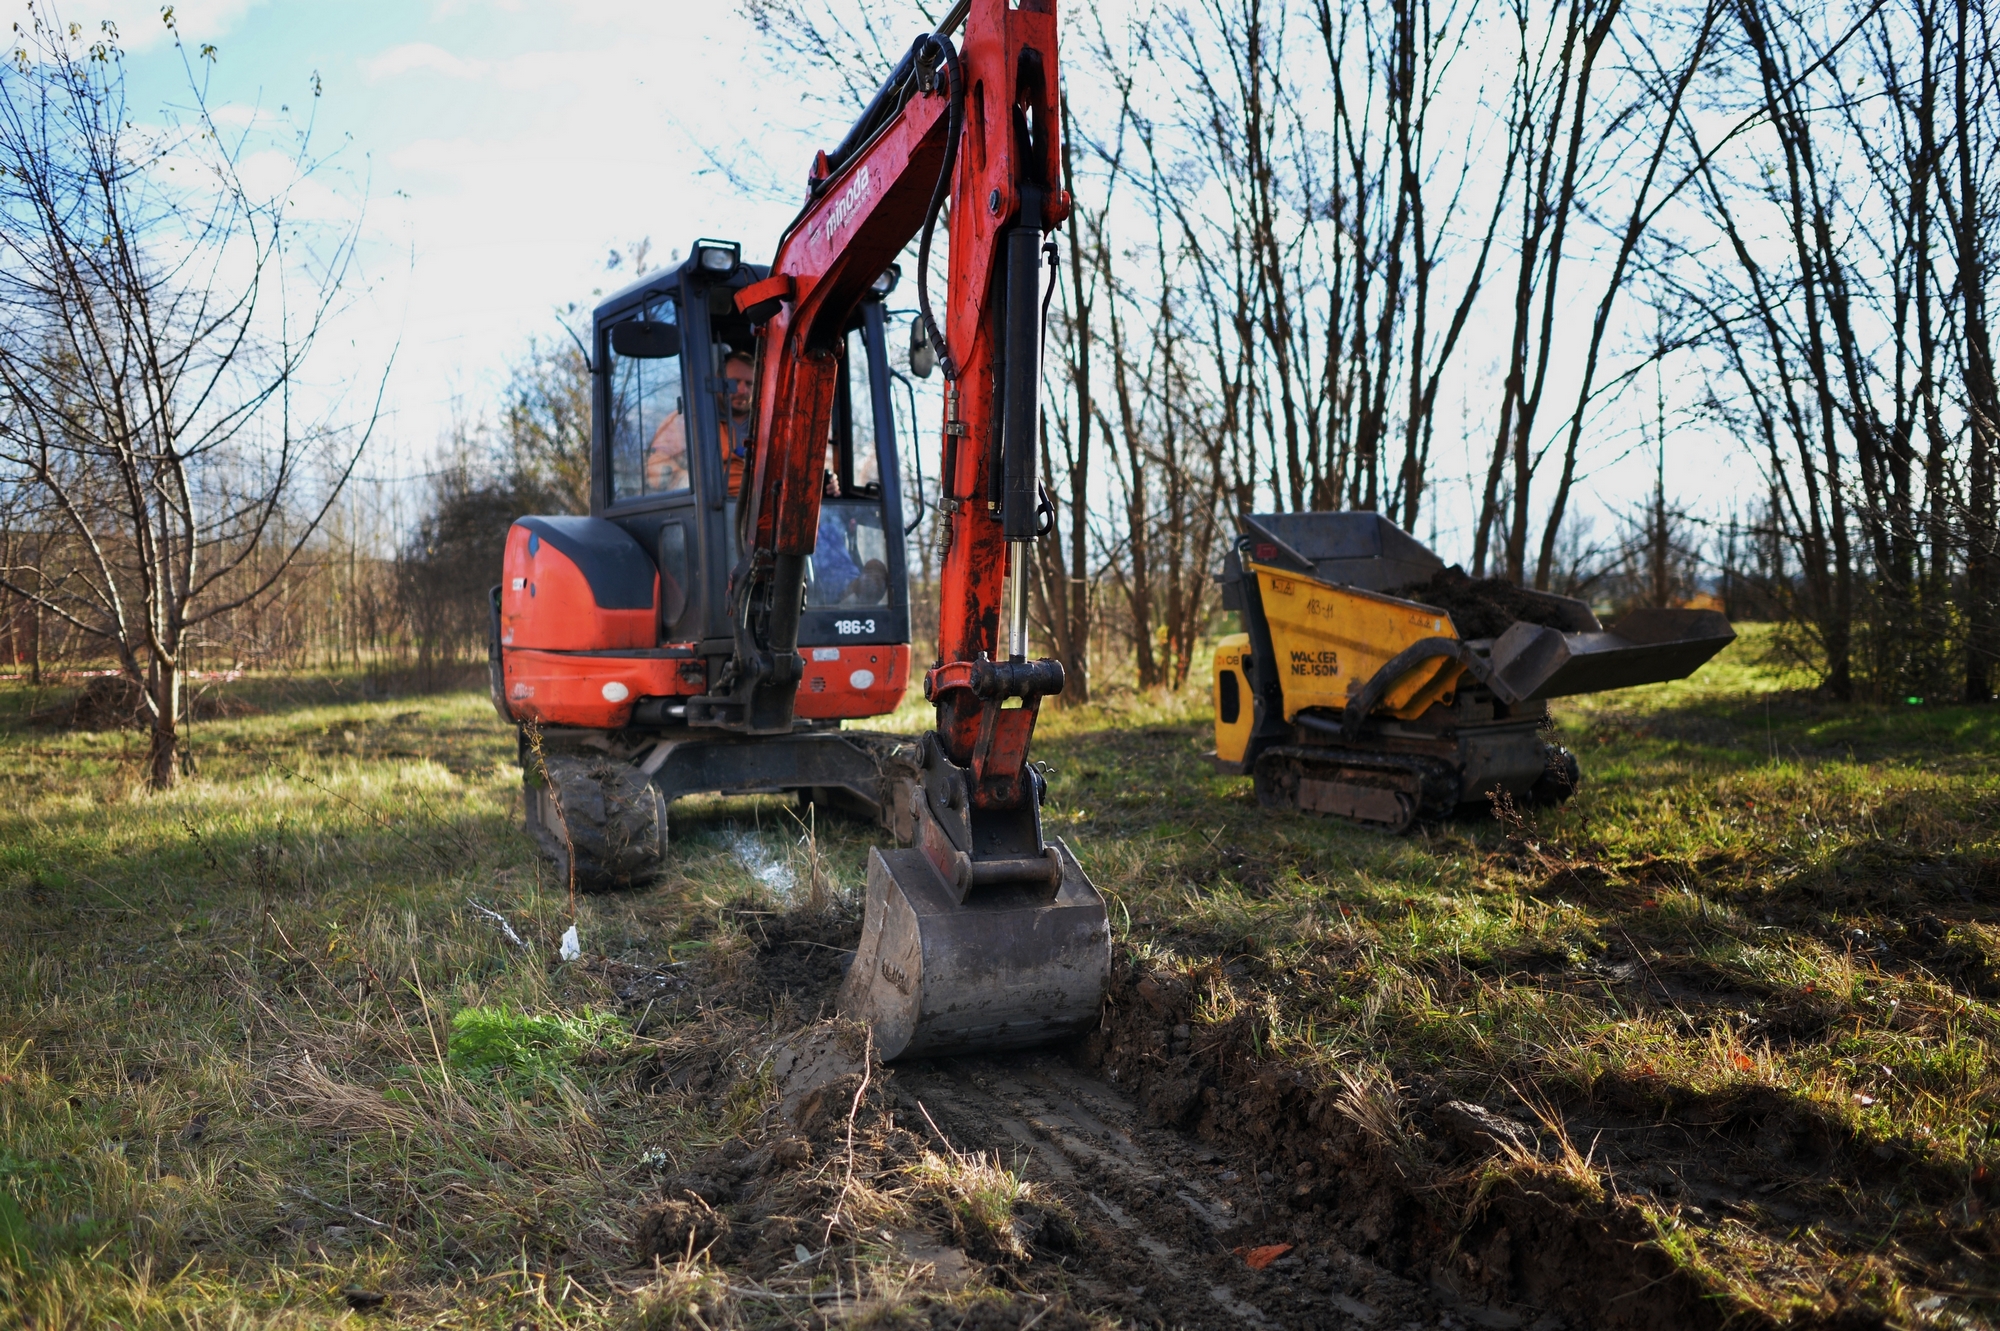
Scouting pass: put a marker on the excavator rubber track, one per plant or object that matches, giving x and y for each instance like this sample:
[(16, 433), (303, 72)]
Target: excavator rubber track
[(607, 807)]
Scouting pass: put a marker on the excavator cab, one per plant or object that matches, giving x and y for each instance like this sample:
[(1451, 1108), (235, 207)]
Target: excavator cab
[(669, 456), (606, 624)]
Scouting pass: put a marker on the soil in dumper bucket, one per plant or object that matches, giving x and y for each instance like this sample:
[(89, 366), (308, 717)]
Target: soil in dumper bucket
[(1480, 607)]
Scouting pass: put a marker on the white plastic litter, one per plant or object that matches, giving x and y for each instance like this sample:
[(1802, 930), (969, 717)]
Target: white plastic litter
[(571, 948), (500, 922), (765, 867)]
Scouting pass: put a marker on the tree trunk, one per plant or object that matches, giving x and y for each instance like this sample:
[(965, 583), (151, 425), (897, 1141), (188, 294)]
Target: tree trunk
[(1982, 560), (163, 753), (1077, 574)]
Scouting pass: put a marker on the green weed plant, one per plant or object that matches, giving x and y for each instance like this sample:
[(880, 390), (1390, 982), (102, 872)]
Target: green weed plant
[(523, 1050)]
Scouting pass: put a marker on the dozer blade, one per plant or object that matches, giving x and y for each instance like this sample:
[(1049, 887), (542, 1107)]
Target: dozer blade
[(1011, 966)]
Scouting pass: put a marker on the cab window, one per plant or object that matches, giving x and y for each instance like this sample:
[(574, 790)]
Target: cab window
[(648, 417), (862, 467), (849, 565)]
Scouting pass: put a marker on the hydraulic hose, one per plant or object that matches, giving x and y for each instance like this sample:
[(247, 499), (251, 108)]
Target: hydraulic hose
[(887, 101), (954, 130)]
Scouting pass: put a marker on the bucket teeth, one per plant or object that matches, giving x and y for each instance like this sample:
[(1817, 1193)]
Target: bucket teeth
[(1010, 966)]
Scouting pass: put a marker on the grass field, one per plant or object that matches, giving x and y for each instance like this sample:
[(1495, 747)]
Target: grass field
[(266, 1043)]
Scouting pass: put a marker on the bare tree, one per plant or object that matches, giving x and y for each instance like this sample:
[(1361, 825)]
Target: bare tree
[(1666, 88), (1295, 217), (545, 423), (1551, 118), (1167, 444), (155, 316), (1063, 579), (1974, 217), (849, 45), (1844, 306)]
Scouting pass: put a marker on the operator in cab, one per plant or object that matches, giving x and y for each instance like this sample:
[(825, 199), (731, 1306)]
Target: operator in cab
[(740, 372), (666, 459), (837, 576)]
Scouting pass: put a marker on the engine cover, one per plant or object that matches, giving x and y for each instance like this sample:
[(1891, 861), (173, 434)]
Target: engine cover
[(574, 584)]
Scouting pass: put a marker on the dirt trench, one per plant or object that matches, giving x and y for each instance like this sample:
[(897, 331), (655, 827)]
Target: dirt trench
[(1170, 1171), (1451, 1199), (1168, 1219)]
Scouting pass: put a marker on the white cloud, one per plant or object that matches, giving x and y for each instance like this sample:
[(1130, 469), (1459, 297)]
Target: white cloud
[(413, 56), (443, 9), (500, 151)]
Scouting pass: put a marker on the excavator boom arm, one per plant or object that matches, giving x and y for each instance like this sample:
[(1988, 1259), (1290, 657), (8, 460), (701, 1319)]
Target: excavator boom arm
[(983, 934), (986, 112)]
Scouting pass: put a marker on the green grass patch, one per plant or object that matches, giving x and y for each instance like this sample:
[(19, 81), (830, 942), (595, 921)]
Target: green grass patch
[(523, 1050), (259, 1043)]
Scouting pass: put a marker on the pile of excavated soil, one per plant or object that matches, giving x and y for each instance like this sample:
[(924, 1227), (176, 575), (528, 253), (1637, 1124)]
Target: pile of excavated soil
[(1480, 607), (798, 961), (1474, 1196), (801, 1196), (113, 702)]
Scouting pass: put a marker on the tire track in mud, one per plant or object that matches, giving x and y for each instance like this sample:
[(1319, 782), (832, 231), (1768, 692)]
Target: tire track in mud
[(1163, 1213)]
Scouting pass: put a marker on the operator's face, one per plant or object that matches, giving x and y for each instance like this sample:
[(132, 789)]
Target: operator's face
[(740, 377)]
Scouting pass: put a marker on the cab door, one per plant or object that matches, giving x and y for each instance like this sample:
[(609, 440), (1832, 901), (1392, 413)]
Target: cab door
[(648, 480)]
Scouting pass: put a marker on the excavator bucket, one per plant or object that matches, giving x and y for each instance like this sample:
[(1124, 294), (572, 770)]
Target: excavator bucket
[(1011, 964)]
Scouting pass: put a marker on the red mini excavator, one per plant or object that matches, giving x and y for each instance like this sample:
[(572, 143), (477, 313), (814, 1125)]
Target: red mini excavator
[(739, 589)]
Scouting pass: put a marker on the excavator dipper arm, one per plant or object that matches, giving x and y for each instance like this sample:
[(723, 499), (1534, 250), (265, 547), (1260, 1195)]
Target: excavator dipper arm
[(985, 934)]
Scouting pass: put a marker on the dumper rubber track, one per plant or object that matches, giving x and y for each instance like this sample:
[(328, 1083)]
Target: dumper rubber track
[(1390, 791)]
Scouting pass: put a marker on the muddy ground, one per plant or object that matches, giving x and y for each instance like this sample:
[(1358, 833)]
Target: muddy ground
[(1174, 1179), (1712, 1043)]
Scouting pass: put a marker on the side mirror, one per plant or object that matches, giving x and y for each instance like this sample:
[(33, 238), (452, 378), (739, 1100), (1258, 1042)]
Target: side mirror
[(646, 339), (923, 356)]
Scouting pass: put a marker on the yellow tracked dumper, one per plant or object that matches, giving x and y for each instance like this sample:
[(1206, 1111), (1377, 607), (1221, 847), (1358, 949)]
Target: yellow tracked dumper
[(1375, 684)]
